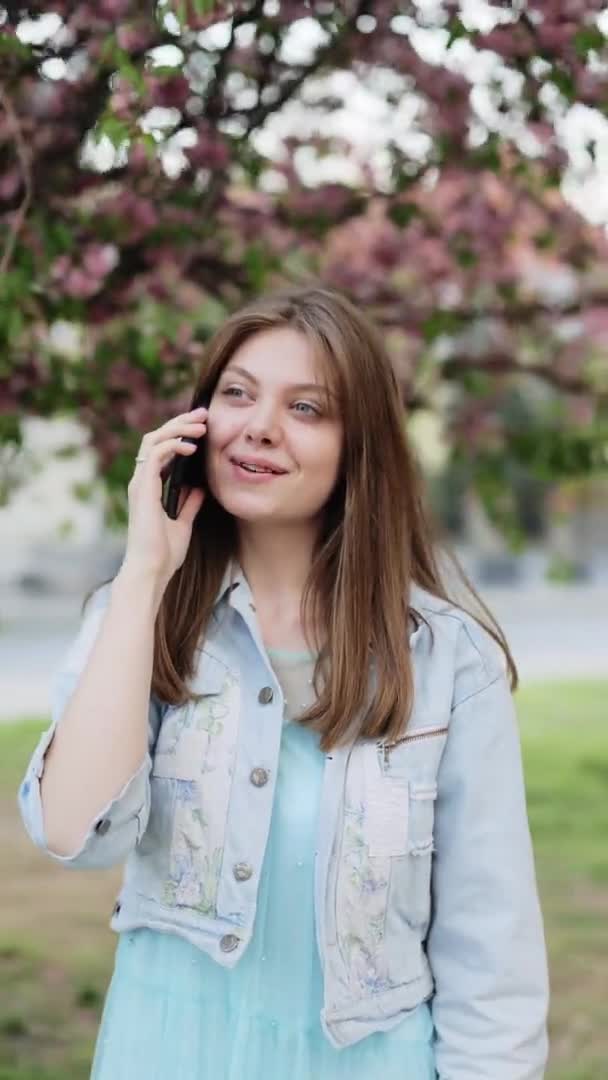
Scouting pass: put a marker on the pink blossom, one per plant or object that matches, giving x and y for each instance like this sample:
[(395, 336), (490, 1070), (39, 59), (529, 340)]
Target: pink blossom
[(138, 215), (60, 267), (48, 100), (210, 150), (10, 183), (556, 36), (596, 323), (100, 259), (135, 36), (170, 93), (114, 9), (140, 159), (79, 284), (510, 42)]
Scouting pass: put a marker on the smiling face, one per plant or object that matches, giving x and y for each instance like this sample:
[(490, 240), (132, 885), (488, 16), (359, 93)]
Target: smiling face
[(271, 403)]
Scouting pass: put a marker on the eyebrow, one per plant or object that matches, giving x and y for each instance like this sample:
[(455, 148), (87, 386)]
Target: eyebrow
[(293, 386)]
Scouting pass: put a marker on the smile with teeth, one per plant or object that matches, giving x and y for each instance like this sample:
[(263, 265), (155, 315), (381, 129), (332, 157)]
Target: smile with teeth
[(257, 468)]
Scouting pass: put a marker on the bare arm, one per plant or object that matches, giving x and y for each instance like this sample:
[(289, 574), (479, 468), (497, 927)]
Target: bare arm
[(94, 761), (103, 735)]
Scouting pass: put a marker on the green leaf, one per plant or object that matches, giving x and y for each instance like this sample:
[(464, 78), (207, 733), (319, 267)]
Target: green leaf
[(257, 265), (440, 322), (564, 81), (68, 452), (402, 213), (457, 30), (116, 130), (59, 238), (83, 491), (130, 72), (184, 9), (544, 240), (147, 351), (487, 155), (15, 323), (588, 39), (10, 429), (12, 46), (109, 48), (465, 257)]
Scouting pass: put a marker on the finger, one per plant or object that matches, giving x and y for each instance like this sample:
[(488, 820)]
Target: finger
[(155, 457), (175, 425), (156, 439), (190, 505)]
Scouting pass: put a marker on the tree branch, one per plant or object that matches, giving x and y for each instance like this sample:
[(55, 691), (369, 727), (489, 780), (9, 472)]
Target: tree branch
[(213, 109), (504, 364), (259, 113), (396, 311), (23, 157)]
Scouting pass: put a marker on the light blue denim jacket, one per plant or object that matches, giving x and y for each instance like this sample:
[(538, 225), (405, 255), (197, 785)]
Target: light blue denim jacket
[(424, 874)]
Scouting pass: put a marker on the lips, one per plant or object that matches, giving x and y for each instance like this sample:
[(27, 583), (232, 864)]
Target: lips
[(265, 466)]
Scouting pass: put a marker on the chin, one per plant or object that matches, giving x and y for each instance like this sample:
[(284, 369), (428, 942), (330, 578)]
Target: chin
[(246, 506)]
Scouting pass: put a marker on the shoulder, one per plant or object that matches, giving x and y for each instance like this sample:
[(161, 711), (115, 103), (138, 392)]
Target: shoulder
[(97, 599), (473, 656)]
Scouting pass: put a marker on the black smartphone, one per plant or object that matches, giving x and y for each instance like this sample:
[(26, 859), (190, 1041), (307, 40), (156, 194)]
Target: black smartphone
[(182, 471)]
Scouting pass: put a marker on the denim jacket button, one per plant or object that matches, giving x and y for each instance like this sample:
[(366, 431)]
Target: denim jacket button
[(265, 695), (259, 777), (229, 943), (242, 871), (102, 826)]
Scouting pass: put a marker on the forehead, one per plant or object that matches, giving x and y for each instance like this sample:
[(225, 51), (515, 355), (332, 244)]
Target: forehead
[(281, 356)]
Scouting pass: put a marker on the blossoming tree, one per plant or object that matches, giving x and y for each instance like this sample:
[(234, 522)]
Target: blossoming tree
[(161, 162)]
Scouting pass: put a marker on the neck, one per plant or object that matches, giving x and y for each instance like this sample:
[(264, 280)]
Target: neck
[(276, 561)]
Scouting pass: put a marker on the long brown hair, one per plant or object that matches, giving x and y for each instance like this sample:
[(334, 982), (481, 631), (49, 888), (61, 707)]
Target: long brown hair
[(378, 533)]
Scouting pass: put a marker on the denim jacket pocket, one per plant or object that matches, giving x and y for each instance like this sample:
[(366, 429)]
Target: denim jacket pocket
[(386, 818), (401, 791), (421, 817), (185, 836), (185, 730), (410, 882), (180, 748)]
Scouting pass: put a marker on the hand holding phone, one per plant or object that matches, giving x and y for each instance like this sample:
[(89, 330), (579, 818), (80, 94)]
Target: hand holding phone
[(183, 472), (157, 542)]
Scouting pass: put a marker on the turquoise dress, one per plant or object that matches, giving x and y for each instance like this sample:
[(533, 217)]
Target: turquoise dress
[(173, 1013)]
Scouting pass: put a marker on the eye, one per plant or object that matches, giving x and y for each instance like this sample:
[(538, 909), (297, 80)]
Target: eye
[(315, 411)]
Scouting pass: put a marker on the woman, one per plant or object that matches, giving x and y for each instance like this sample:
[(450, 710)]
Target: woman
[(305, 751)]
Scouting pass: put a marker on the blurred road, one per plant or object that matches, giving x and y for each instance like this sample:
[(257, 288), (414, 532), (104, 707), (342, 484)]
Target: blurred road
[(555, 631)]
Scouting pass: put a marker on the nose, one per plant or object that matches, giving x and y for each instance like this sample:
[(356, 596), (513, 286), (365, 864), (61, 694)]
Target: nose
[(263, 424)]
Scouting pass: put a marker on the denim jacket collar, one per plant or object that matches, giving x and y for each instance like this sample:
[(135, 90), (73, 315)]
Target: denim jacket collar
[(235, 583)]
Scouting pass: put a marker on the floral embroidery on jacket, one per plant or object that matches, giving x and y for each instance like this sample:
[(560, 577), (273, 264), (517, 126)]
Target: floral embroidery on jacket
[(362, 895), (201, 804)]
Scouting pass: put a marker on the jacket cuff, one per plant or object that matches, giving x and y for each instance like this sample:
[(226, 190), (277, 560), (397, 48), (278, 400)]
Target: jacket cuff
[(112, 832)]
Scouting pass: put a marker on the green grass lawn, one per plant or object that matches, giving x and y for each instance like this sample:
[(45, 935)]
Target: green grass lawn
[(56, 950)]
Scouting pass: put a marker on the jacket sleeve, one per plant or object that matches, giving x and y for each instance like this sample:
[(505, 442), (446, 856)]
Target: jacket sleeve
[(486, 943), (119, 826)]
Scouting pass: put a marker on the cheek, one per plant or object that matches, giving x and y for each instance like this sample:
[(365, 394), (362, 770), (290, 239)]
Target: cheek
[(323, 460), (222, 428)]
